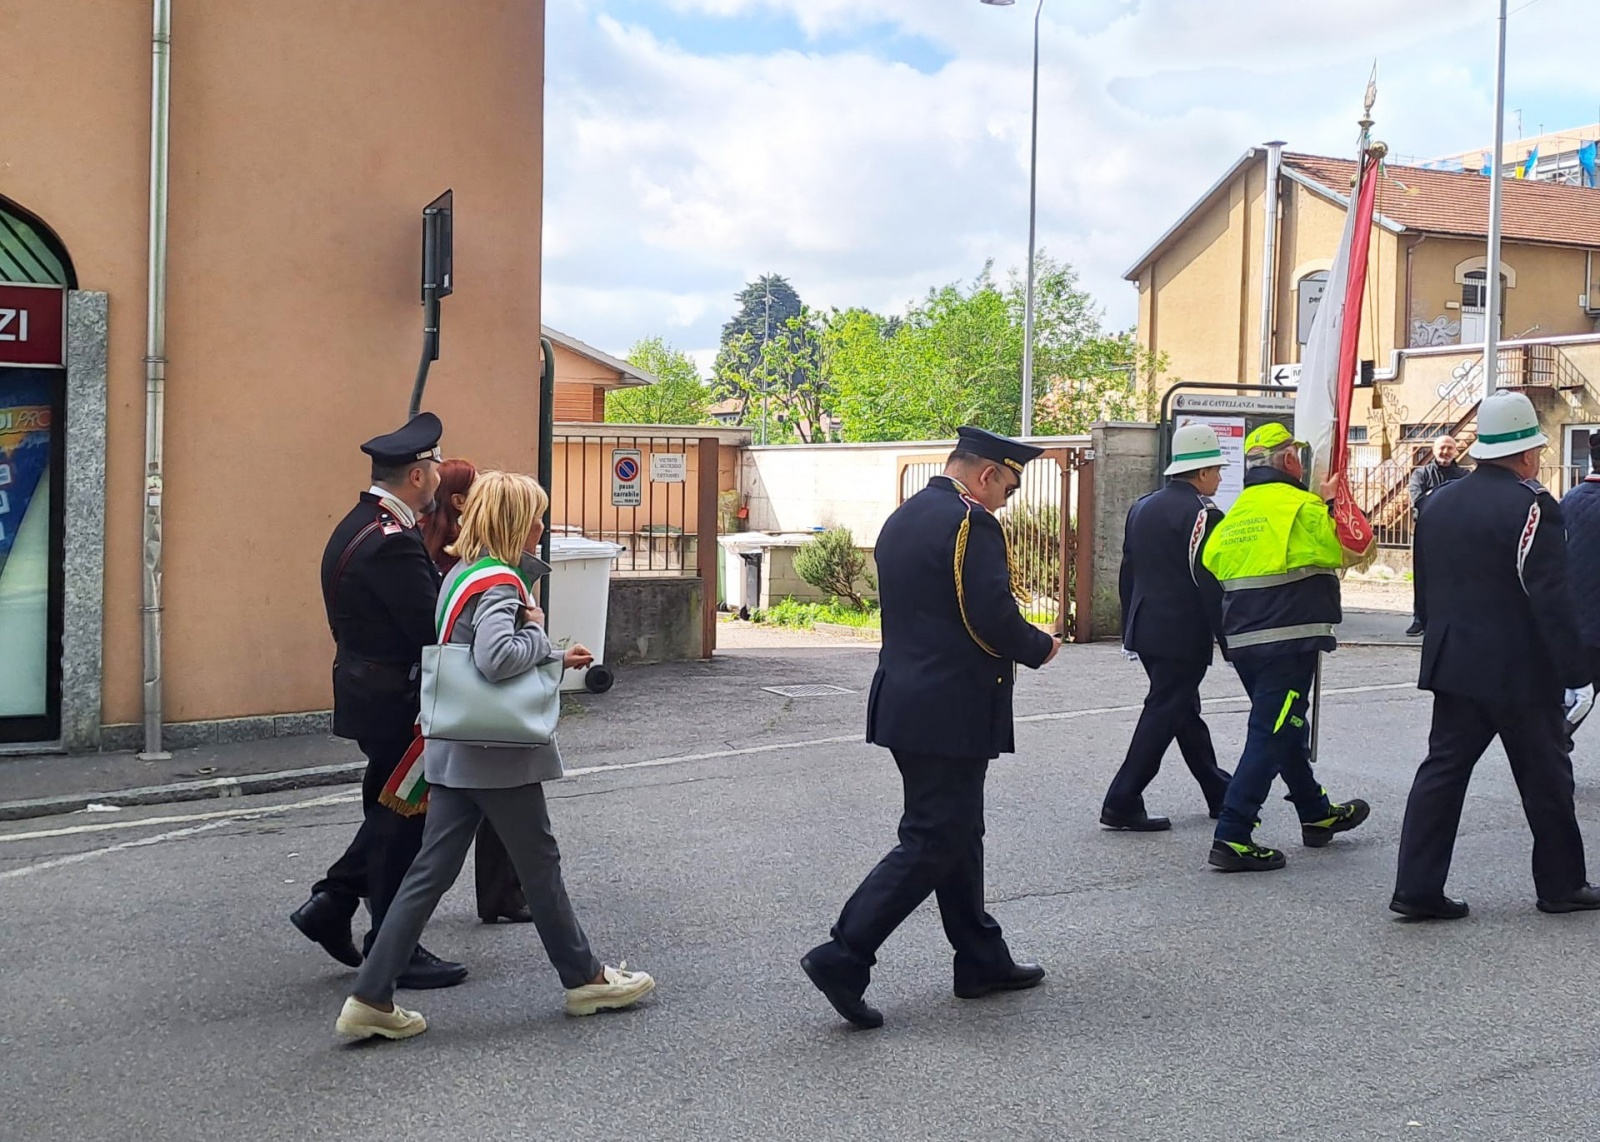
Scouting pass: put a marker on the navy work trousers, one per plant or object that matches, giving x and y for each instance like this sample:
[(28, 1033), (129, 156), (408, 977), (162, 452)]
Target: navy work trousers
[(1277, 744)]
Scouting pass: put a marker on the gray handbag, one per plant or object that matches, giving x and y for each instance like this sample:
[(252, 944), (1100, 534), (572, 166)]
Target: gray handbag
[(460, 705)]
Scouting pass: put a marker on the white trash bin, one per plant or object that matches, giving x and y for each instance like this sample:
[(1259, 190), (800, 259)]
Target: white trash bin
[(580, 595)]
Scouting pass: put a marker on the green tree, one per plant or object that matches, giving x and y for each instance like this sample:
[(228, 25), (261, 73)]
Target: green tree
[(767, 306), (678, 396), (956, 359)]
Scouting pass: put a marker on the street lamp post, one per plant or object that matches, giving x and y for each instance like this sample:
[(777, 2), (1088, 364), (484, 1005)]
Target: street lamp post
[(1033, 214), (1491, 278)]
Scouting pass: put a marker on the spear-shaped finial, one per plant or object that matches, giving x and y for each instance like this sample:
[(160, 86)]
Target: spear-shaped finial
[(1370, 99)]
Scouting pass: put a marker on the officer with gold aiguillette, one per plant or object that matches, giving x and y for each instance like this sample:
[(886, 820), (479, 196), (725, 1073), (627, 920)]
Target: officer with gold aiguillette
[(941, 702), (1277, 556)]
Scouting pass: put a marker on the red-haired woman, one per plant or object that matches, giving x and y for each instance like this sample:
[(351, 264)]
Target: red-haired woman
[(499, 894)]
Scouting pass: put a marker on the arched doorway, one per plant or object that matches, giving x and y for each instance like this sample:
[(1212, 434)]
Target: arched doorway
[(35, 275)]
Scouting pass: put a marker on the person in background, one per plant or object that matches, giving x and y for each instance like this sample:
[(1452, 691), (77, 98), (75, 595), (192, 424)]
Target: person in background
[(1503, 659), (1171, 615), (499, 894), (1580, 511), (1427, 479), (500, 525)]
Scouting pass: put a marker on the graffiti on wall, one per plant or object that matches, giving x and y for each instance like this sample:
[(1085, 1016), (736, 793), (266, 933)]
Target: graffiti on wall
[(1440, 331)]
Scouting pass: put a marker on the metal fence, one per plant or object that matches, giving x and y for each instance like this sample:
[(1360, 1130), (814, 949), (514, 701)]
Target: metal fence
[(653, 496), (1047, 524), (1380, 490), (653, 516)]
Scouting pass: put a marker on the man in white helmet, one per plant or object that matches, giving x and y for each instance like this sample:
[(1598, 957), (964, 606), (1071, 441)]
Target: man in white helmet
[(1503, 659), (1171, 616)]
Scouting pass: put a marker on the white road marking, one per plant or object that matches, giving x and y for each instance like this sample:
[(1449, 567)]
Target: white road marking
[(214, 815), (218, 818)]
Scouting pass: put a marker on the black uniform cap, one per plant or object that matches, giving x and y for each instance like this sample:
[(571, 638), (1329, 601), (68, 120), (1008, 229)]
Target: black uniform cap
[(418, 440), (1001, 449)]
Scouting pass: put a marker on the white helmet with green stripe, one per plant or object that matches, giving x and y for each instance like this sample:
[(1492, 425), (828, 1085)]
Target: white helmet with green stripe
[(1507, 426), (1195, 448)]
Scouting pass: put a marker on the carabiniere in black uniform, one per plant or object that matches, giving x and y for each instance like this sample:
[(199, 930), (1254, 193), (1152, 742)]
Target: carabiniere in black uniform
[(379, 588), (941, 702)]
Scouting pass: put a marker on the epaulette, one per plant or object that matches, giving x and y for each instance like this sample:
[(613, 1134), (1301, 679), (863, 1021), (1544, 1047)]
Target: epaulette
[(1533, 485), (388, 523), (1209, 504)]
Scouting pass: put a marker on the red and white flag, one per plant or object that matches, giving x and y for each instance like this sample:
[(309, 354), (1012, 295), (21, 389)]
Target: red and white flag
[(1328, 369)]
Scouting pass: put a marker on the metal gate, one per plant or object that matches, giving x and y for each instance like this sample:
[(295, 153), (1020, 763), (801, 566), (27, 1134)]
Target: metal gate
[(1049, 525)]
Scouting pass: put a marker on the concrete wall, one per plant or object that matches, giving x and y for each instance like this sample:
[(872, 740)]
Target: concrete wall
[(1125, 468), (780, 581), (1543, 284), (801, 487), (653, 620), (306, 137)]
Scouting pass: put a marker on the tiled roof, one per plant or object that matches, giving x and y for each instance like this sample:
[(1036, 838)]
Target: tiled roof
[(1446, 202)]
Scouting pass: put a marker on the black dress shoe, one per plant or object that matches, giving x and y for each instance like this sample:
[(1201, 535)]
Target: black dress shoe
[(1140, 822), (845, 1001), (1443, 908), (519, 915), (1018, 977), (1416, 629), (1585, 899), (427, 971), (325, 920)]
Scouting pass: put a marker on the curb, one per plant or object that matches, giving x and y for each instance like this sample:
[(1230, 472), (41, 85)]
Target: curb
[(860, 634), (249, 784)]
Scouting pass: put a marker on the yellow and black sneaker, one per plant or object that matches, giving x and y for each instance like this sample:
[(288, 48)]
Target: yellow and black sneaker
[(1341, 818), (1231, 856)]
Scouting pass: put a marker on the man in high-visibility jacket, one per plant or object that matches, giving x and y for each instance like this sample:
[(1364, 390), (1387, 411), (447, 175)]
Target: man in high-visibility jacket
[(1277, 557)]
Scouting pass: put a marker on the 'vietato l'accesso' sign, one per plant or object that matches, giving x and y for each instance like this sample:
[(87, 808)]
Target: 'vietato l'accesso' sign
[(33, 326)]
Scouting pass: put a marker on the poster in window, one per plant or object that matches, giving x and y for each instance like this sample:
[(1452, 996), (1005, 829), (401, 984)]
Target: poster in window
[(25, 442)]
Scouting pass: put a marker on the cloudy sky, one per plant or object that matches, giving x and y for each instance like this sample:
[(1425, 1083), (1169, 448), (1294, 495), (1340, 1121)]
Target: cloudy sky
[(869, 149)]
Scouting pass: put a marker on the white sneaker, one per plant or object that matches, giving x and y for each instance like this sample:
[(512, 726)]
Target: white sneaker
[(363, 1021), (622, 988)]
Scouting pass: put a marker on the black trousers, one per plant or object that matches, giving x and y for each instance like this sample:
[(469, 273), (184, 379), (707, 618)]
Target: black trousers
[(1171, 712), (385, 844), (499, 891), (1534, 738), (940, 854)]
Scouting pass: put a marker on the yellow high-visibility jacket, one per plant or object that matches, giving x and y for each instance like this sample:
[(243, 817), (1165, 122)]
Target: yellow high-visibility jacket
[(1277, 557)]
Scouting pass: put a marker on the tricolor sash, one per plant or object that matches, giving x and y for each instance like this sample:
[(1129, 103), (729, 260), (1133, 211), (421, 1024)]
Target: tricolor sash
[(406, 791)]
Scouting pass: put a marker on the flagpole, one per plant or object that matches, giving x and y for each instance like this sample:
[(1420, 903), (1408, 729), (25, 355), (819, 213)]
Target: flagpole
[(1491, 277)]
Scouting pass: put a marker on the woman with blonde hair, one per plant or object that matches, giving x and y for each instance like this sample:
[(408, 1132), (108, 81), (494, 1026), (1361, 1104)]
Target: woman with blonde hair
[(500, 526), (499, 894)]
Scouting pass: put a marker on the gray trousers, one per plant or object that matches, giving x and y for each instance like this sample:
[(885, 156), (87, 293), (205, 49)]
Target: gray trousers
[(519, 816)]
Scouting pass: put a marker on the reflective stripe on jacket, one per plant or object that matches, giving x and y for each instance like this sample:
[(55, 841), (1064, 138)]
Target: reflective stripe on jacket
[(1277, 557)]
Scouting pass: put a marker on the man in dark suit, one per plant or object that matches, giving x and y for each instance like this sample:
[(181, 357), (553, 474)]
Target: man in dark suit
[(1502, 658), (941, 702), (1171, 614), (380, 589), (1580, 511)]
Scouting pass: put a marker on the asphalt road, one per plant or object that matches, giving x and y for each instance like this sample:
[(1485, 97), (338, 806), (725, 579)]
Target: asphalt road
[(151, 988)]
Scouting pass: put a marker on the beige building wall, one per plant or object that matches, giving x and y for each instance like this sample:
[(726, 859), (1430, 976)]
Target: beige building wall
[(306, 137)]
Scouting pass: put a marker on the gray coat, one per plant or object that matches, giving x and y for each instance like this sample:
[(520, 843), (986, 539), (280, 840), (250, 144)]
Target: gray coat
[(501, 648)]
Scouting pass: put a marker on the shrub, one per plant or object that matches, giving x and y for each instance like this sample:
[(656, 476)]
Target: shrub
[(831, 562)]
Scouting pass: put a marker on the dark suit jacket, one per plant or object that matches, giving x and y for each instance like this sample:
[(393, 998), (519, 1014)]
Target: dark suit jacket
[(1491, 570), (1171, 605), (937, 691), (381, 615)]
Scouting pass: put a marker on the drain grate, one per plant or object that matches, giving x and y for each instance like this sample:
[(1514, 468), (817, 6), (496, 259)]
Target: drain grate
[(807, 690)]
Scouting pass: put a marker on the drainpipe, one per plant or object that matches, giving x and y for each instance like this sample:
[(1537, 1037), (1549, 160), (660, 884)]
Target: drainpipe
[(155, 373), (1269, 258)]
